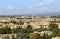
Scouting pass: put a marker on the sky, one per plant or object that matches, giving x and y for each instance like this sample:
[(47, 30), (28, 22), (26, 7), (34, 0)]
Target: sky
[(18, 7)]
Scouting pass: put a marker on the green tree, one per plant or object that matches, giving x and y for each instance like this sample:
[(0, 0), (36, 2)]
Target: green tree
[(53, 26), (6, 30), (29, 29), (14, 22), (55, 30), (16, 30), (45, 36), (13, 37), (1, 31)]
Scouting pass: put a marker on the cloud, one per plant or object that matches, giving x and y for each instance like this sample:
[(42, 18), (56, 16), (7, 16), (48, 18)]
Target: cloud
[(45, 2), (29, 7), (0, 10), (10, 7), (44, 8), (50, 1), (40, 4)]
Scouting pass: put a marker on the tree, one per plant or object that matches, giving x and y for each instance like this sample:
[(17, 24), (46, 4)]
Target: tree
[(14, 22), (13, 37), (53, 26), (7, 37), (20, 22), (16, 30), (36, 36), (27, 36), (29, 29), (1, 31), (45, 36), (55, 30), (6, 30), (29, 26)]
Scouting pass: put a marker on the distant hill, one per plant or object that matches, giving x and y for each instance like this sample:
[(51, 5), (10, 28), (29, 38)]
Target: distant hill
[(37, 14)]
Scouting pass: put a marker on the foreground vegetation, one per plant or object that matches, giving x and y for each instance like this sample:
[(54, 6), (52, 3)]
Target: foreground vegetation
[(28, 33)]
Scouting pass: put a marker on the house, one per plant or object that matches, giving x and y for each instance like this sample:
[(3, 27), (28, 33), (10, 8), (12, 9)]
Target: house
[(44, 32), (55, 38)]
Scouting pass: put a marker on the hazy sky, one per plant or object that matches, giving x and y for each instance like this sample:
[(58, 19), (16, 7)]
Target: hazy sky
[(9, 7)]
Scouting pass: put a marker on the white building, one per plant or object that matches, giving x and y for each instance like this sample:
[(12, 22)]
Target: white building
[(56, 38)]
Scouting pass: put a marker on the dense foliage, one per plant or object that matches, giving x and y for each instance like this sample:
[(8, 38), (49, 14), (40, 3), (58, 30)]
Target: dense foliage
[(25, 33)]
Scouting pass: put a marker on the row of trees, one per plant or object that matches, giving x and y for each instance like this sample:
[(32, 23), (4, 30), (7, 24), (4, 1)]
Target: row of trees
[(8, 30), (54, 28), (29, 29), (26, 32), (33, 36)]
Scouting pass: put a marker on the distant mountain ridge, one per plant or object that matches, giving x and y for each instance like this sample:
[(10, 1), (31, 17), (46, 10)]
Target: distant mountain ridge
[(37, 14)]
